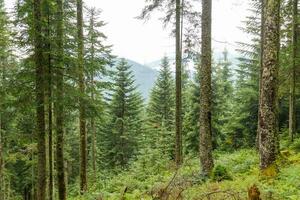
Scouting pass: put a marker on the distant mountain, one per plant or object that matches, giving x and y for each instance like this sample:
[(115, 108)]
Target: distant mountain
[(156, 64), (145, 77), (217, 56)]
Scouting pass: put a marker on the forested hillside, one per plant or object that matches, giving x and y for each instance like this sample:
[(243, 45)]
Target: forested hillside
[(79, 122)]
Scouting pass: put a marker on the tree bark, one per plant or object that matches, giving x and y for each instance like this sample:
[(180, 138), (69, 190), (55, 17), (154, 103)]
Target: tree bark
[(93, 127), (40, 100), (206, 91), (1, 159), (178, 143), (82, 110), (60, 105), (292, 109), (49, 102), (260, 66), (268, 109)]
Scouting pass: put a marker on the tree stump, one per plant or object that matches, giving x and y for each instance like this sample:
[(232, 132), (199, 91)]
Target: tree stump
[(254, 193)]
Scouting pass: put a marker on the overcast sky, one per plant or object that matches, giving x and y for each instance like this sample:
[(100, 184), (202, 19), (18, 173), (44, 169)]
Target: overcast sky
[(147, 42)]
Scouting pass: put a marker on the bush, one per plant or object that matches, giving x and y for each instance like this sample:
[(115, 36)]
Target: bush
[(220, 173), (296, 145)]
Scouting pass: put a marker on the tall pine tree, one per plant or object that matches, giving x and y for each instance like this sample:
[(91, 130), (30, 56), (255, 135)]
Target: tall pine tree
[(124, 126), (160, 111)]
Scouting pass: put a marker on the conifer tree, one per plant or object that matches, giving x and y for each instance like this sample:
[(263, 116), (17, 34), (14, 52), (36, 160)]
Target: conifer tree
[(244, 122), (59, 104), (98, 57), (191, 119), (222, 105), (160, 111), (4, 54), (82, 109), (124, 126), (47, 18), (40, 99), (175, 12), (292, 107), (206, 92), (178, 78), (268, 115)]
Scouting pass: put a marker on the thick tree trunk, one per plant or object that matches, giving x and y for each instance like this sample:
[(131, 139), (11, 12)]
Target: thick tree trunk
[(60, 105), (206, 91), (40, 100), (292, 109), (268, 109), (178, 143), (82, 110)]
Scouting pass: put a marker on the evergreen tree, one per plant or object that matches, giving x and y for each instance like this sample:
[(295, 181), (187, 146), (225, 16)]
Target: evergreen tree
[(4, 54), (97, 58), (244, 122), (223, 105), (191, 118), (268, 115), (160, 111), (59, 104), (82, 106), (40, 99), (292, 107), (124, 126), (206, 92)]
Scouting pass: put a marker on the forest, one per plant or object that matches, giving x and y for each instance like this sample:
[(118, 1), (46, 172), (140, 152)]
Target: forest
[(74, 123)]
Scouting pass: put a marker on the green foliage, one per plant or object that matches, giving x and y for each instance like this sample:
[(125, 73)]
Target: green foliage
[(220, 173), (122, 132), (296, 145), (161, 111), (246, 95)]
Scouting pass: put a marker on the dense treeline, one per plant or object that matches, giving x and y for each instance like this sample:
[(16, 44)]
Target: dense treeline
[(72, 117)]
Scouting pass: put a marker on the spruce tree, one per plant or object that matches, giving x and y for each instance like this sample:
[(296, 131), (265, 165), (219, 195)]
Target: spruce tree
[(124, 126), (244, 122), (223, 105), (205, 146), (268, 115), (4, 54), (160, 111), (82, 106), (98, 57), (59, 104), (292, 107), (40, 99)]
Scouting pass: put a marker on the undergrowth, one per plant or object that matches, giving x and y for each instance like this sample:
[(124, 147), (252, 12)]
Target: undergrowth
[(154, 177)]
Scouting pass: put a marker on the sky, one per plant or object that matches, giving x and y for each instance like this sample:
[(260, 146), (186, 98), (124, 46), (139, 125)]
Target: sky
[(146, 42)]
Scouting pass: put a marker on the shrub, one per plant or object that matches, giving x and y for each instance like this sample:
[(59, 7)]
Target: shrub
[(220, 173)]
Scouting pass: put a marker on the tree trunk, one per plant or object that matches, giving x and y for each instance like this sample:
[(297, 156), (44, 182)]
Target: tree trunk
[(93, 127), (1, 159), (206, 91), (292, 110), (40, 100), (260, 65), (82, 112), (178, 143), (49, 97), (60, 105), (268, 118)]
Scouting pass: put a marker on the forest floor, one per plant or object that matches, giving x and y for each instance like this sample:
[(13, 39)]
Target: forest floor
[(234, 173)]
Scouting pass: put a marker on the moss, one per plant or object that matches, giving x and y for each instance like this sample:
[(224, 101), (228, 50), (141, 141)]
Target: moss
[(270, 171)]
